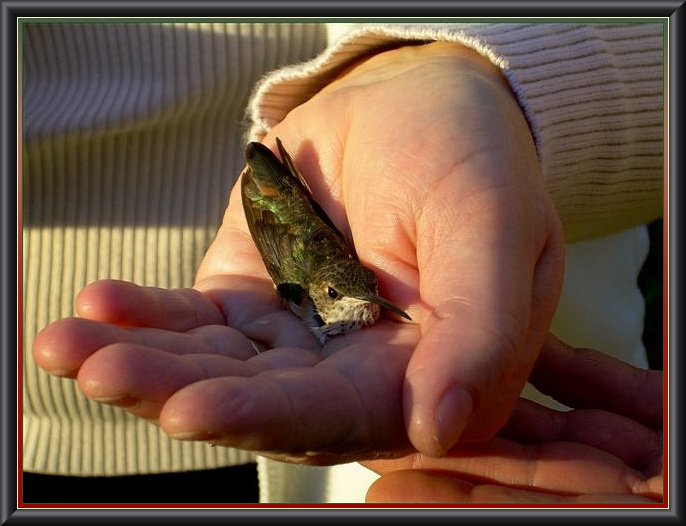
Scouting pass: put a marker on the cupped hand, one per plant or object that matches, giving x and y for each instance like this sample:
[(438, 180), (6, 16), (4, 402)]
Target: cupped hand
[(423, 158), (608, 449)]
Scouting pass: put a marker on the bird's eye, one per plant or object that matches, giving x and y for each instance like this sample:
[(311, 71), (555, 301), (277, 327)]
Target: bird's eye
[(333, 293)]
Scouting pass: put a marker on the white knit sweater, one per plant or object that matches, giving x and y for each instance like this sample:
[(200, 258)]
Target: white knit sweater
[(134, 133)]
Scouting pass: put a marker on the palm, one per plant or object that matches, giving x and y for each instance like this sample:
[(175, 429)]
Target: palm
[(442, 198)]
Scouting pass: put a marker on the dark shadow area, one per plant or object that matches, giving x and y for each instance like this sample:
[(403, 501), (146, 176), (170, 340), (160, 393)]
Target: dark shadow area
[(651, 282), (236, 484)]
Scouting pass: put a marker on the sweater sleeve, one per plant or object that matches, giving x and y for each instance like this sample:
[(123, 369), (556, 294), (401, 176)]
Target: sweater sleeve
[(592, 93)]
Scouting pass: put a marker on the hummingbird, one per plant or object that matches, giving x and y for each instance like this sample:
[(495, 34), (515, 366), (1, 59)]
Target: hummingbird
[(314, 269)]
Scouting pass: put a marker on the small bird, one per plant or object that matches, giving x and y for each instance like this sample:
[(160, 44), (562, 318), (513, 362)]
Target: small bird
[(314, 269)]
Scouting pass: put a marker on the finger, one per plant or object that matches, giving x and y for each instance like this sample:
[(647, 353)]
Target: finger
[(141, 379), (583, 378), (481, 246), (477, 351), (252, 306), (62, 347), (558, 467), (532, 423), (479, 342), (418, 486), (472, 359), (426, 487), (132, 305), (345, 408)]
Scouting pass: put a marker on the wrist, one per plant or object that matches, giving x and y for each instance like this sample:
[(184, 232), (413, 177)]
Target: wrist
[(465, 62), (407, 55)]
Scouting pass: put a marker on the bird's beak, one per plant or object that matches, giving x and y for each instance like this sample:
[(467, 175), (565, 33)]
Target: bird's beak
[(374, 298)]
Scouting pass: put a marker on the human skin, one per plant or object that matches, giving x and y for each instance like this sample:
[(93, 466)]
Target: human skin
[(423, 158), (608, 449)]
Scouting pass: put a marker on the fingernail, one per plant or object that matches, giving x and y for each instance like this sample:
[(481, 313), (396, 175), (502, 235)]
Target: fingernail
[(124, 401), (199, 436), (452, 415)]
